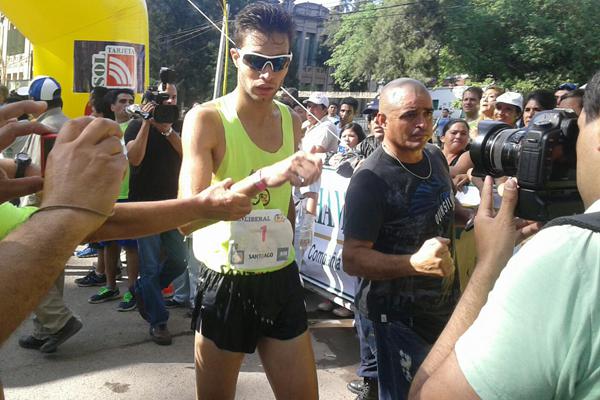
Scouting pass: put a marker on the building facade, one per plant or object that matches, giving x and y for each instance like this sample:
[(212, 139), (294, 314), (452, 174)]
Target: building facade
[(17, 62), (309, 49)]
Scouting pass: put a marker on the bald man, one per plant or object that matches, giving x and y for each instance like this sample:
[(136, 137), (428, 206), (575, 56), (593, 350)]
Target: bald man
[(399, 216)]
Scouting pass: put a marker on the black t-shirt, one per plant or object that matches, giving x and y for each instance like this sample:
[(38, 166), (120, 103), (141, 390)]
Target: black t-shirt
[(398, 212), (156, 178)]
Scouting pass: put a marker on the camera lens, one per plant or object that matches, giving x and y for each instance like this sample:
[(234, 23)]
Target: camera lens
[(496, 149)]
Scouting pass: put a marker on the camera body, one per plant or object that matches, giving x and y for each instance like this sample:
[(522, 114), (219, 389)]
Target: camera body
[(168, 113), (542, 157)]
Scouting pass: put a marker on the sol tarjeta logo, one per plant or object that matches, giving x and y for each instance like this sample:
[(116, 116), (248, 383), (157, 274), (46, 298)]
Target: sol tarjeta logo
[(115, 67)]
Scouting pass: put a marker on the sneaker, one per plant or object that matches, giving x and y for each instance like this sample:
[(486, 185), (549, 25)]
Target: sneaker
[(172, 303), (91, 279), (325, 306), (30, 342), (104, 294), (88, 252), (72, 326), (160, 335), (128, 303), (342, 312)]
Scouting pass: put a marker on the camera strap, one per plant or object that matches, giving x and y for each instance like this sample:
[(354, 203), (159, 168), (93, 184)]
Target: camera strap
[(589, 221)]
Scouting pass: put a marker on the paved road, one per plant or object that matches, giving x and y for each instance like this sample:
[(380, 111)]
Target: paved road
[(112, 357)]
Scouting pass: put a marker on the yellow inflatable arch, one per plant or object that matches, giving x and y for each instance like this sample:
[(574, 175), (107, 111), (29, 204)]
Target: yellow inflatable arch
[(84, 43)]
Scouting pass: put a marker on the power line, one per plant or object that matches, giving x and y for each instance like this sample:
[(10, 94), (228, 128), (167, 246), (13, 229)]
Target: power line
[(180, 31)]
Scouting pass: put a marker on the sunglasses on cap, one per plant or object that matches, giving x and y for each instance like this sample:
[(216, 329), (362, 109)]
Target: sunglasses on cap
[(258, 61)]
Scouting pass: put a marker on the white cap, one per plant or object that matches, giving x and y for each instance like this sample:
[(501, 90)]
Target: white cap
[(512, 98), (318, 98)]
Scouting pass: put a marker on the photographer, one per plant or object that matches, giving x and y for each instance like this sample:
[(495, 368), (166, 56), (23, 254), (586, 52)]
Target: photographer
[(154, 151), (536, 336)]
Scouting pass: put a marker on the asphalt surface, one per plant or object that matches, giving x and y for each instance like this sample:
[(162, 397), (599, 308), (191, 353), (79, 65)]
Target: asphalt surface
[(112, 357)]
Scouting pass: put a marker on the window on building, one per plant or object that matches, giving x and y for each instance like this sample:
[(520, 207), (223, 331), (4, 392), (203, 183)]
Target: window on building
[(15, 41), (310, 49)]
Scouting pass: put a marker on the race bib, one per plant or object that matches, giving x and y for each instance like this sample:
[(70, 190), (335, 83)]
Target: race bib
[(262, 239)]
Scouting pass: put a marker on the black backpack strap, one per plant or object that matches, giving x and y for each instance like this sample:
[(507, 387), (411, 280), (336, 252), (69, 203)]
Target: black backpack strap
[(589, 221)]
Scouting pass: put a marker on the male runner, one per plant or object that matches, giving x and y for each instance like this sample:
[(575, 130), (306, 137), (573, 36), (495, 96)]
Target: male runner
[(249, 294)]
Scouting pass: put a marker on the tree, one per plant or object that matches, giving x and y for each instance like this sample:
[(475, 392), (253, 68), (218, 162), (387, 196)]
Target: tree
[(524, 43), (386, 40), (184, 40)]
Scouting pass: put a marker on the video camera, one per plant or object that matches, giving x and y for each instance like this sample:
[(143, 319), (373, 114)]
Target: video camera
[(542, 157), (167, 113)]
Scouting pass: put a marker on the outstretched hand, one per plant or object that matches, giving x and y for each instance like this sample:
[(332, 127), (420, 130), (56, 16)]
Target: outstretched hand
[(218, 202), (300, 169)]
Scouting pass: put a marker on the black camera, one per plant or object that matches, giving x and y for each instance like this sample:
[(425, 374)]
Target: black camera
[(168, 113), (542, 157)]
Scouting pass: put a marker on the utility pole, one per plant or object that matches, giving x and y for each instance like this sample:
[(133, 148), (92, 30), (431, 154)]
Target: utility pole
[(221, 57)]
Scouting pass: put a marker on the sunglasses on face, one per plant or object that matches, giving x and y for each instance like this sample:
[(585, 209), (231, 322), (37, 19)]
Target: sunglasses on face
[(258, 62)]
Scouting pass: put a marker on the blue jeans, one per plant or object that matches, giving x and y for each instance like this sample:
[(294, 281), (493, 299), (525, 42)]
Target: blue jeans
[(400, 352), (155, 274), (368, 347), (186, 284)]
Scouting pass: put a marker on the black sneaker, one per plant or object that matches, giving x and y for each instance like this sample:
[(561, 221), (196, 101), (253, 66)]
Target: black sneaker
[(30, 342), (72, 326), (128, 303), (172, 303), (104, 294), (161, 335), (91, 279)]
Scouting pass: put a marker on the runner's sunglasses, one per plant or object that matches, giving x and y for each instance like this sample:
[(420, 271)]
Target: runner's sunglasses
[(258, 61)]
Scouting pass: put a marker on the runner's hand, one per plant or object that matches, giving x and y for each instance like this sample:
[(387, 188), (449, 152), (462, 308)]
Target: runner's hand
[(300, 169), (86, 166), (218, 203), (433, 258)]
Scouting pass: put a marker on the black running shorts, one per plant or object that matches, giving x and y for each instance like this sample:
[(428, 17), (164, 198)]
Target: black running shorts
[(236, 310)]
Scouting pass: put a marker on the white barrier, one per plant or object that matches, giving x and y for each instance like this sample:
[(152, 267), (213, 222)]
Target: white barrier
[(322, 262)]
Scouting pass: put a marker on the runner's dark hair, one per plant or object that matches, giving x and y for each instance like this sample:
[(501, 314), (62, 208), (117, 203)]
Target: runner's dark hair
[(265, 18)]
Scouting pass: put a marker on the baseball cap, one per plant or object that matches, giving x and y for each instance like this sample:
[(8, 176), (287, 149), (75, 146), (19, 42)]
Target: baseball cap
[(567, 86), (372, 106), (512, 98), (44, 88), (317, 98)]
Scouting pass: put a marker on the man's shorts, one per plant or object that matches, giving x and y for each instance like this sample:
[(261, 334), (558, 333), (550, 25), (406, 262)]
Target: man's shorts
[(236, 310)]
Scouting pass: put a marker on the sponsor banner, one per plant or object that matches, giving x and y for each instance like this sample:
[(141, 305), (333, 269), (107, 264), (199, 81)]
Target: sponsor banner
[(322, 261), (110, 64)]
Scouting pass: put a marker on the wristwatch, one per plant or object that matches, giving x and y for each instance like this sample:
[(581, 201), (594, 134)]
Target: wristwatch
[(22, 160)]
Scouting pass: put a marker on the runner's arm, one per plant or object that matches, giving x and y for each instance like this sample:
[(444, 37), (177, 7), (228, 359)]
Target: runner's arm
[(200, 143)]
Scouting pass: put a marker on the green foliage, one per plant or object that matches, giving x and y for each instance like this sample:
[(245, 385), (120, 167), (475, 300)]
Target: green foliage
[(192, 54), (522, 44), (525, 44)]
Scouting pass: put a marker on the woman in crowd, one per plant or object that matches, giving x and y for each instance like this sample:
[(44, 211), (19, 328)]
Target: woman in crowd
[(352, 135), (509, 107), (488, 102), (536, 101), (455, 140)]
